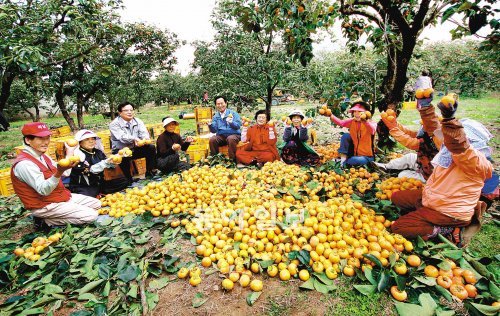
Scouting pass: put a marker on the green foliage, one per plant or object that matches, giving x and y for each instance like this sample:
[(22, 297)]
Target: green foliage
[(461, 67)]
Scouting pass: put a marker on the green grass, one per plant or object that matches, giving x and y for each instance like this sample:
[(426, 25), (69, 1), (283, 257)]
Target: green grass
[(486, 243), (346, 301)]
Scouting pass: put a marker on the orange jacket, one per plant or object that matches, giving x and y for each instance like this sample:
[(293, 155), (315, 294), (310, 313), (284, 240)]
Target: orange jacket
[(362, 139), (258, 139), (455, 191)]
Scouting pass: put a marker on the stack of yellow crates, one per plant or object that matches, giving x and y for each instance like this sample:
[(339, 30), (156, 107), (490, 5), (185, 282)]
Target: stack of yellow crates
[(6, 187), (105, 137)]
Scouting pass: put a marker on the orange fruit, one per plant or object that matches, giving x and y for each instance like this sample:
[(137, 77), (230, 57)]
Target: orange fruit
[(431, 271), (419, 94), (397, 294), (459, 291), (448, 101), (428, 92), (413, 260), (72, 142), (64, 162)]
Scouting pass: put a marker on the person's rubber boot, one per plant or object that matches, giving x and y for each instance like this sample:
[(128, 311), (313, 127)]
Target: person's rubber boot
[(40, 224)]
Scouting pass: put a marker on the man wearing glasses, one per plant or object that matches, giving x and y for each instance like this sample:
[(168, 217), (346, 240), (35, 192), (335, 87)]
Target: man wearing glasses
[(129, 131)]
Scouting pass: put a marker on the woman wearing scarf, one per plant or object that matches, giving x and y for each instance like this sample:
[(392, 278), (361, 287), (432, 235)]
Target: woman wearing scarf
[(261, 142), (296, 151), (450, 198), (87, 177), (168, 145)]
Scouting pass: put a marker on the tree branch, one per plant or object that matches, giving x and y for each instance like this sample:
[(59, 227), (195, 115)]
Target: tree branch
[(418, 21), (369, 16), (396, 16), (88, 50)]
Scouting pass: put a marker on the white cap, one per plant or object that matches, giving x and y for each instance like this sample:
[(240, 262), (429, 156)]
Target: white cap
[(169, 120), (84, 134)]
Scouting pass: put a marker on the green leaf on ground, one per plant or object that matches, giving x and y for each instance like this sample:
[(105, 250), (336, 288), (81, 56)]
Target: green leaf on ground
[(158, 284), (252, 297), (199, 299), (367, 289)]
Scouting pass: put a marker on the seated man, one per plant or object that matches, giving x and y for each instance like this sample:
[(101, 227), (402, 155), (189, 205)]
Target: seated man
[(129, 131), (260, 142), (37, 181), (226, 125), (448, 201)]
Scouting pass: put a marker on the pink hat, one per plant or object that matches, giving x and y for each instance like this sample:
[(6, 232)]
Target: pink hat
[(37, 129), (358, 107)]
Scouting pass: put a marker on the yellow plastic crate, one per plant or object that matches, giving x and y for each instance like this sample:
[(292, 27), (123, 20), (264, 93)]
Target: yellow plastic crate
[(6, 187), (203, 113), (64, 131), (411, 105), (196, 153)]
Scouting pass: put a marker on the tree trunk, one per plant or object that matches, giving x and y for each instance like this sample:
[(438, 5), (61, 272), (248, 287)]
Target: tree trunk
[(80, 104), (269, 101), (7, 81), (37, 112), (62, 106), (32, 116), (393, 87)]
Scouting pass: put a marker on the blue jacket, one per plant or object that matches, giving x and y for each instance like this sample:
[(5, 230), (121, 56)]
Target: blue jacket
[(220, 126)]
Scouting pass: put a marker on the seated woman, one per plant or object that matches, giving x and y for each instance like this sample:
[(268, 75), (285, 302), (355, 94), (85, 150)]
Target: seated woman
[(296, 151), (87, 177), (260, 142), (356, 147), (168, 145)]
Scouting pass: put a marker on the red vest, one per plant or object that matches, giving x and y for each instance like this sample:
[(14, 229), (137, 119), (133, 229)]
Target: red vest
[(362, 139), (30, 198)]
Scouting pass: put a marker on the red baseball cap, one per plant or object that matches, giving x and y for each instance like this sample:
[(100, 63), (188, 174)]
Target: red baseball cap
[(37, 129)]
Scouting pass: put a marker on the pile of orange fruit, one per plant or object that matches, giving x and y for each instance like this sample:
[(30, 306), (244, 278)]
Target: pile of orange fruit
[(38, 245), (460, 282), (391, 185), (240, 217), (328, 152)]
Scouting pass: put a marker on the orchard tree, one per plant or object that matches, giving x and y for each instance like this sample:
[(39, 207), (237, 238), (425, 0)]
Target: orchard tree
[(393, 27), (138, 53), (33, 31), (244, 63)]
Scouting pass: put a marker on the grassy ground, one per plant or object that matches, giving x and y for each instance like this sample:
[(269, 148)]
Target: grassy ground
[(279, 298)]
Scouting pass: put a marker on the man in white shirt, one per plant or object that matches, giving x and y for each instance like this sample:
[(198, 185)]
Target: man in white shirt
[(37, 181), (129, 131)]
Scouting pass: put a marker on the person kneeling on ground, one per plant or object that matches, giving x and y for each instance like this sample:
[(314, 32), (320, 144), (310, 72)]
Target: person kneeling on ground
[(87, 177), (260, 142), (129, 131), (37, 181), (356, 147), (296, 150), (450, 198), (226, 125), (168, 145)]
